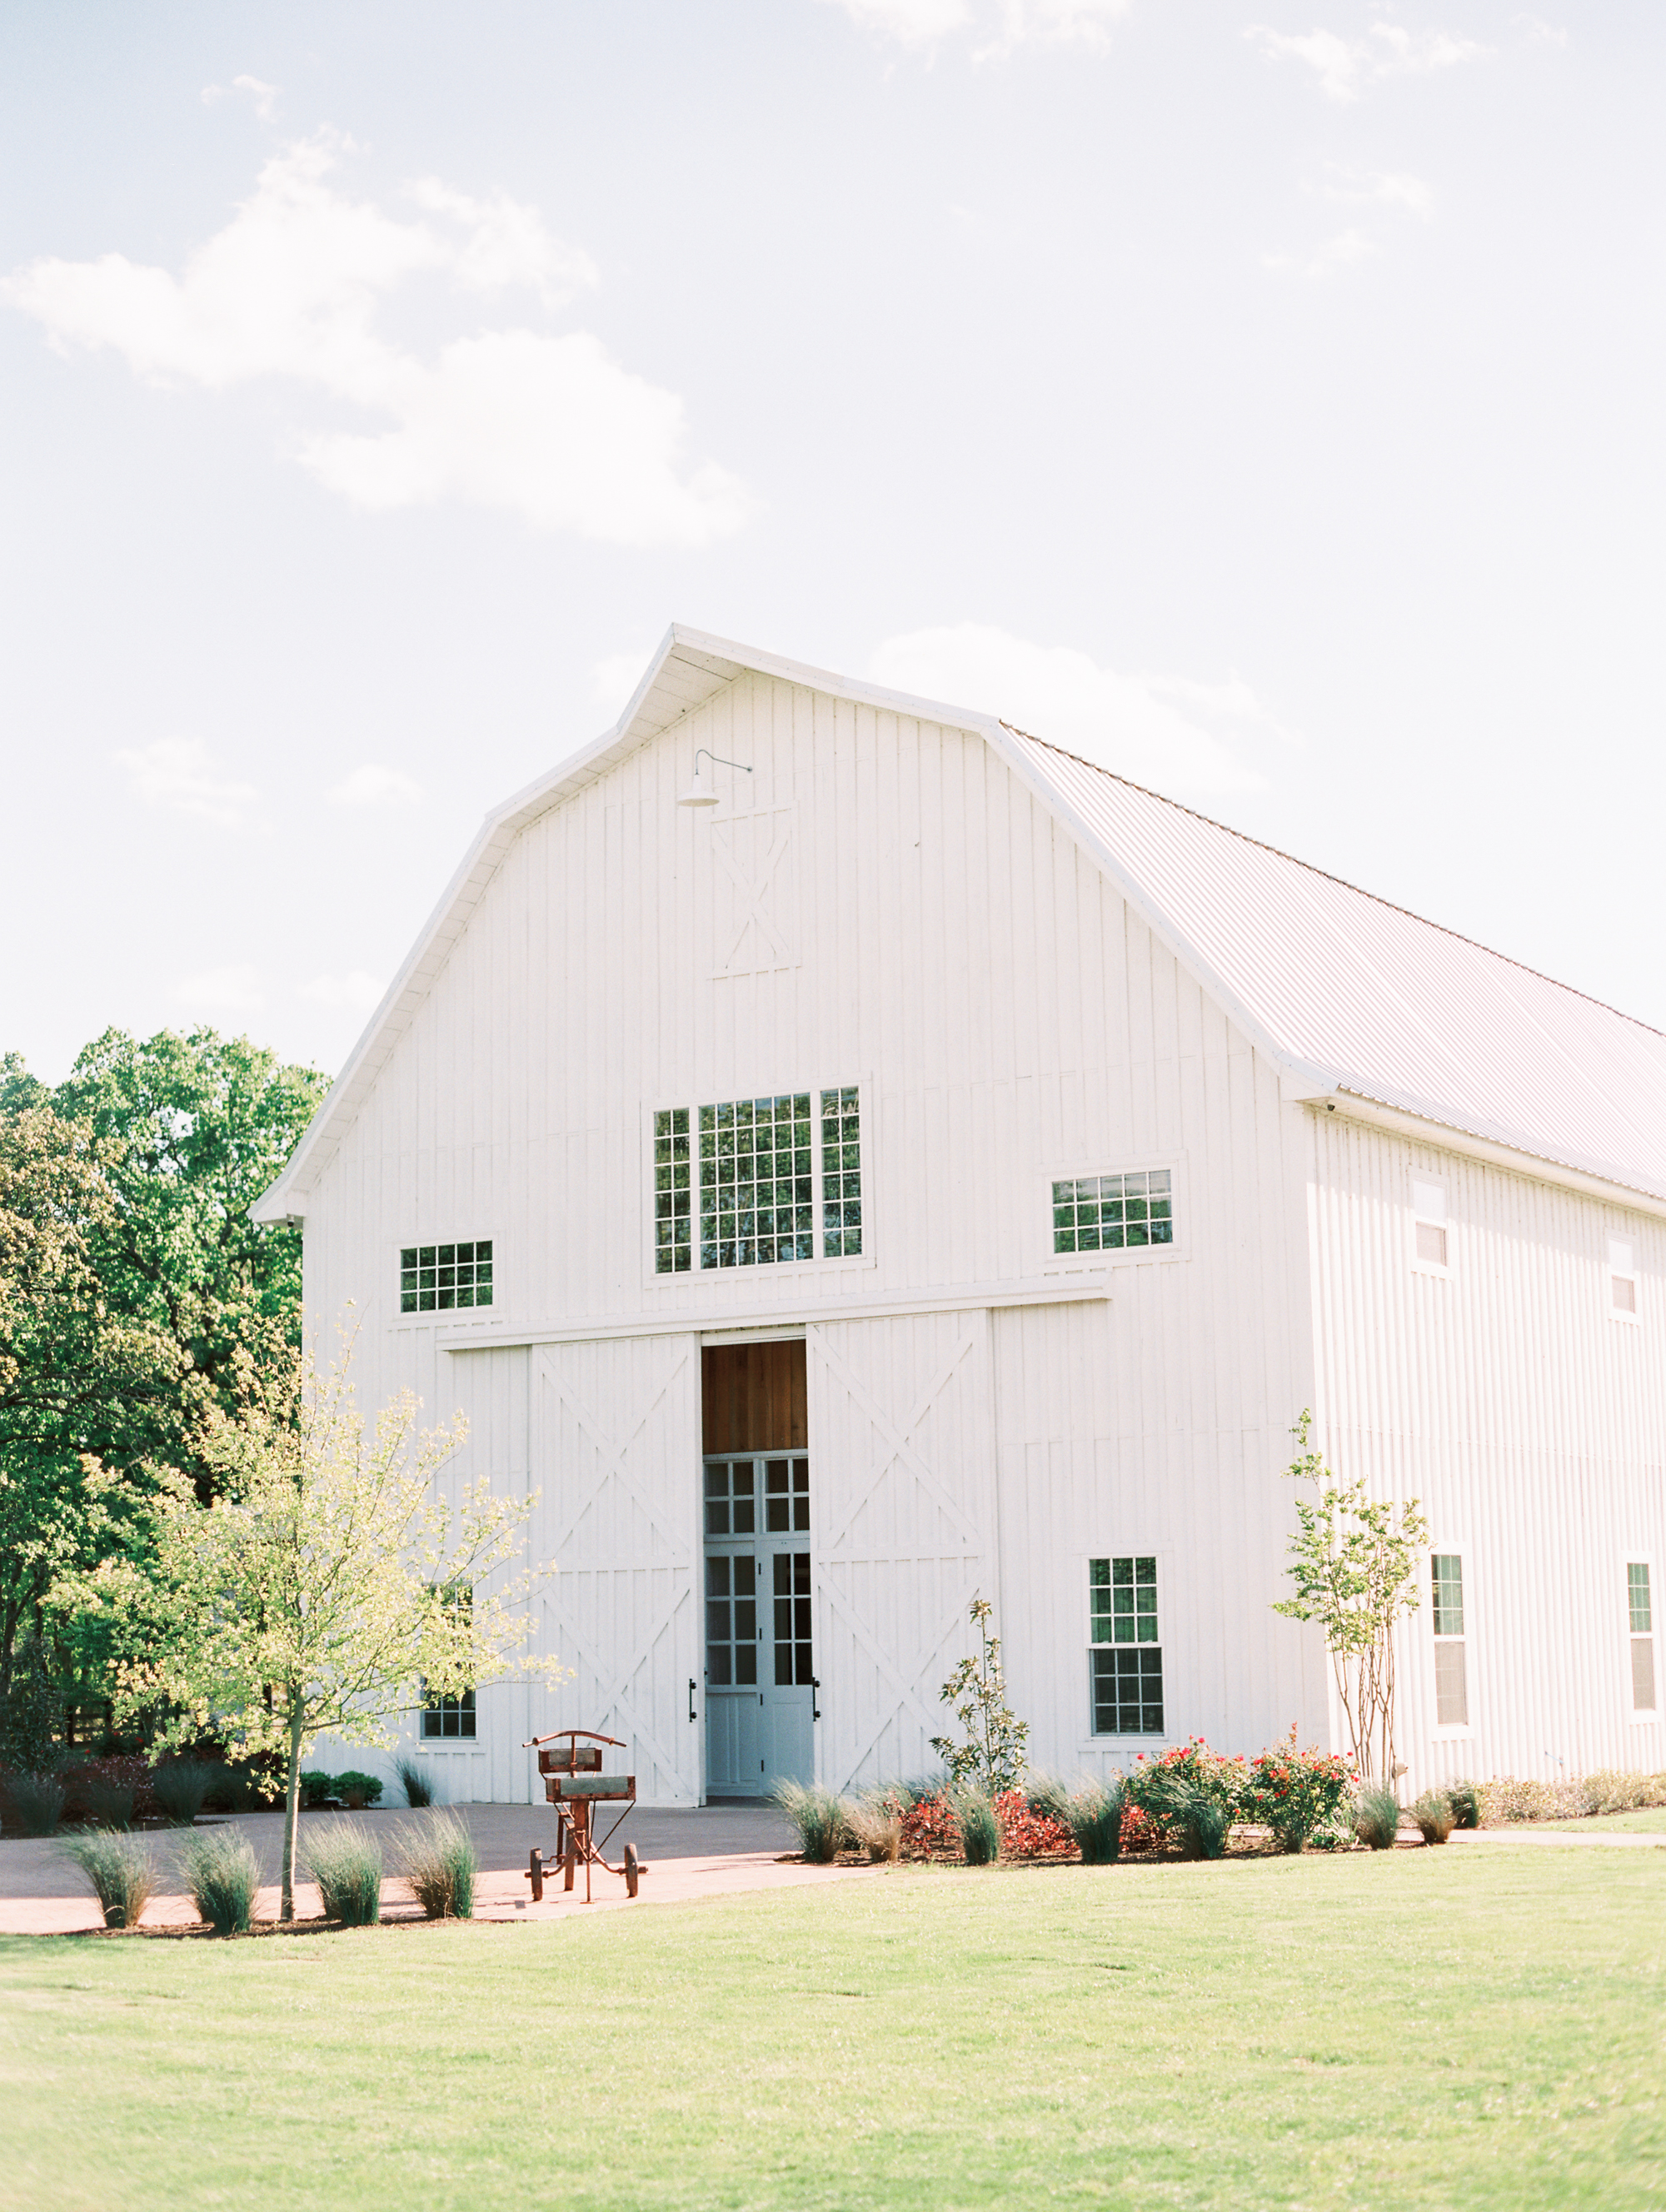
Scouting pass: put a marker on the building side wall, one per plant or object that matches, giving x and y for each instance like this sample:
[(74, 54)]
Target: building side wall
[(1530, 1423), (881, 903)]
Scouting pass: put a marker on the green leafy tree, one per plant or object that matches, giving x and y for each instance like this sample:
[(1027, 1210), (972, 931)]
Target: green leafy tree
[(318, 1590), (78, 1380), (1353, 1561), (992, 1756)]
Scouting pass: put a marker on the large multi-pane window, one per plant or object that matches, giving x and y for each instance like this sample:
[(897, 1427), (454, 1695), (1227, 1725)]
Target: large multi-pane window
[(1640, 1608), (435, 1277), (750, 1172), (1111, 1212), (1125, 1655), (1451, 1683)]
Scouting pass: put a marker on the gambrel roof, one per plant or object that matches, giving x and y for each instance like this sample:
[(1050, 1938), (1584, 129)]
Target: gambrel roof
[(1350, 997)]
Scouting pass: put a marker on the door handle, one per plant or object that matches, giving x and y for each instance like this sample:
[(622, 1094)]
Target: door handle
[(815, 1684), (690, 1697)]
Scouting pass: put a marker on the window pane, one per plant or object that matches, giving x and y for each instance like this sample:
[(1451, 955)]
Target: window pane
[(1126, 1691), (673, 1237), (1446, 1569), (438, 1277), (1431, 1244), (1451, 1694), (748, 1185), (1637, 1597), (1111, 1212), (842, 1174), (1643, 1674)]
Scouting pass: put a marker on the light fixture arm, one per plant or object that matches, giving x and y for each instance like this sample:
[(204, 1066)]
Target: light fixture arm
[(717, 760), (700, 794)]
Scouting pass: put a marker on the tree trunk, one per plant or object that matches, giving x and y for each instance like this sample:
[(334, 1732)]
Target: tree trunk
[(291, 1819)]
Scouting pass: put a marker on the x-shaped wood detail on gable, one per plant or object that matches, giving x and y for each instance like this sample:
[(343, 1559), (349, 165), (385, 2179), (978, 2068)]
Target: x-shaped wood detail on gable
[(615, 1699), (751, 895), (613, 1457), (900, 1441)]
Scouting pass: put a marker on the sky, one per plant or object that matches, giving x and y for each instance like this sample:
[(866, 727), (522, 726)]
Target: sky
[(1263, 399)]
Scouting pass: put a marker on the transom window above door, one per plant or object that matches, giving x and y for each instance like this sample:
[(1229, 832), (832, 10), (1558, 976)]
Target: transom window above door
[(763, 1181)]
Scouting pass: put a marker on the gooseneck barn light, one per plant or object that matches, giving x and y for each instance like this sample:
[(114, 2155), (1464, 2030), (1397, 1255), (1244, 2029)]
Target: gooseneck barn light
[(699, 793)]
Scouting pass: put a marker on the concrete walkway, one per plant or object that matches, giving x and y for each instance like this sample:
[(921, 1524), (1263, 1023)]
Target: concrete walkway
[(1527, 1831), (712, 1852)]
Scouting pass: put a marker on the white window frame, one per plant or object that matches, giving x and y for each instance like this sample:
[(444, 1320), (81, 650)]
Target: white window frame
[(867, 1123), (1047, 1261), (1423, 1216), (447, 1316), (1453, 1731), (1624, 1247), (1643, 1716), (1123, 1748)]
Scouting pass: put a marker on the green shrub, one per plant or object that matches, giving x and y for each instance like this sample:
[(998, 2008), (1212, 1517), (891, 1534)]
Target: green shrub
[(346, 1864), (365, 1788), (109, 1804), (1434, 1816), (231, 1788), (222, 1876), (980, 1830), (1377, 1817), (180, 1789), (438, 1860), (34, 1803), (419, 1790), (120, 1869), (1466, 1805), (820, 1816), (316, 1788)]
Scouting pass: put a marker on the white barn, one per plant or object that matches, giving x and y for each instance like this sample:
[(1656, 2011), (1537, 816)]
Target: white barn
[(935, 1166)]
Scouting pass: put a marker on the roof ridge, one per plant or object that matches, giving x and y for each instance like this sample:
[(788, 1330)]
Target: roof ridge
[(1342, 883)]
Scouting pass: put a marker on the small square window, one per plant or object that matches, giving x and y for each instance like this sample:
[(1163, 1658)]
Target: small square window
[(1431, 1243), (1113, 1212), (438, 1277)]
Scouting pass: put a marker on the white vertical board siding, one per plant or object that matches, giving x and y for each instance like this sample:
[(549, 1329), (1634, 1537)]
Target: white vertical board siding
[(881, 901), (616, 1445), (1531, 1424), (903, 1518)]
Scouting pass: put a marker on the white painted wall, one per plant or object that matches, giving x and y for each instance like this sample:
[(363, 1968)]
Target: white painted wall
[(1529, 1419)]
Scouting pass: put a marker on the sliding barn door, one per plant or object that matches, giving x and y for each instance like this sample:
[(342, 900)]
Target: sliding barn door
[(901, 1421), (616, 1436)]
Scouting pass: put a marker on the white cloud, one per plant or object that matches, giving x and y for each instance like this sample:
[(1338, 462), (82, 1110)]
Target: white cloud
[(179, 773), (1000, 25), (613, 679), (1165, 732), (354, 992), (264, 96), (1381, 188), (220, 991), (373, 785), (1345, 67), (550, 427)]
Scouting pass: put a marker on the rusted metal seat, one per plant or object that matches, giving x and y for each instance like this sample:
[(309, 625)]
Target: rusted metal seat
[(575, 1785)]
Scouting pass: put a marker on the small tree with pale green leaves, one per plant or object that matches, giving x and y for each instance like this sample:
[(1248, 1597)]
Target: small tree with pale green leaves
[(1354, 1562), (992, 1756), (327, 1586)]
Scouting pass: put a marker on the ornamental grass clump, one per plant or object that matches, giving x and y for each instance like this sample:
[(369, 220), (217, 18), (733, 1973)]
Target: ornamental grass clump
[(120, 1869), (180, 1789), (1466, 1805), (222, 1876), (1434, 1816), (438, 1861), (980, 1830), (1190, 1795), (346, 1864), (1377, 1817), (876, 1822), (1093, 1814), (419, 1790), (109, 1804), (820, 1816), (34, 1803)]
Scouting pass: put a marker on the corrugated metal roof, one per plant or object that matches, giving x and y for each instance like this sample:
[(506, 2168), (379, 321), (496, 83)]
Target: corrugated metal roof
[(1390, 1007)]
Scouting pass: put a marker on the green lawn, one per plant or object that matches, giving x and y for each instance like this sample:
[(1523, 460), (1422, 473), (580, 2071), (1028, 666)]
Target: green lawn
[(1468, 2027)]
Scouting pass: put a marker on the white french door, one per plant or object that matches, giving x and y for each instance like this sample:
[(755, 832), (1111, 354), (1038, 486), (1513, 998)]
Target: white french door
[(761, 1703)]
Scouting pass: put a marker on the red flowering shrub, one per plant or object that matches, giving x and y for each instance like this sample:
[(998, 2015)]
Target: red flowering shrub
[(930, 1830), (1157, 1787), (82, 1779), (1140, 1832), (1294, 1791)]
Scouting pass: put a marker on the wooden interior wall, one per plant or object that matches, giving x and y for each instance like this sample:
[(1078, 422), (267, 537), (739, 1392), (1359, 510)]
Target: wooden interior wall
[(753, 1398)]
